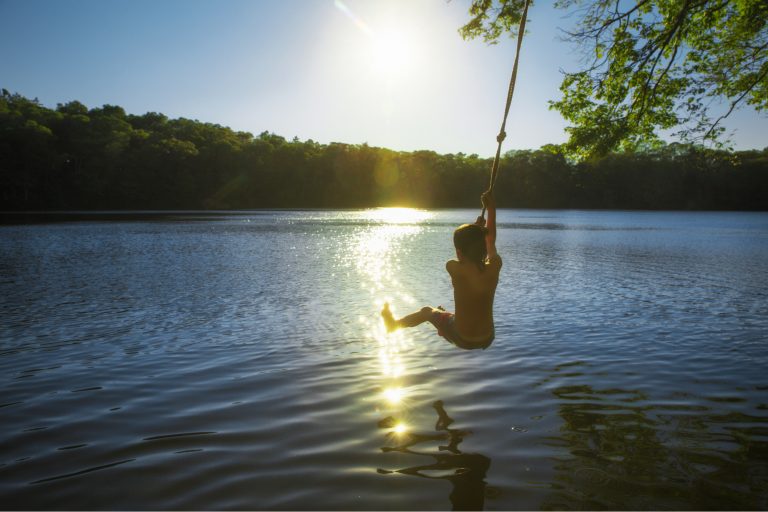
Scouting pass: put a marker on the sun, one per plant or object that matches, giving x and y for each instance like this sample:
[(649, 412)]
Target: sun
[(391, 53), (393, 45)]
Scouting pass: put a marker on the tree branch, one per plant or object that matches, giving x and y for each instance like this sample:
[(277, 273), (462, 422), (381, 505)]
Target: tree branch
[(738, 100)]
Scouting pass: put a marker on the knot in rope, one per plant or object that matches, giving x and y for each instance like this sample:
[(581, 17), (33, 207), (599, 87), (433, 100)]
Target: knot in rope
[(501, 136)]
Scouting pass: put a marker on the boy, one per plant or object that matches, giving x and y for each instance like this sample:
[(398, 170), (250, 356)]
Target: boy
[(474, 277)]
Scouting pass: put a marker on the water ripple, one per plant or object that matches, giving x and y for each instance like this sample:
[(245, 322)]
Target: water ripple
[(237, 361)]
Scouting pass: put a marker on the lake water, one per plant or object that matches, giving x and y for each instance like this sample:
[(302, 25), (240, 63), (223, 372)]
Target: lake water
[(237, 361)]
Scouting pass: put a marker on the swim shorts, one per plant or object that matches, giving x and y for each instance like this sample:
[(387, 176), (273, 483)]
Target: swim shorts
[(445, 324)]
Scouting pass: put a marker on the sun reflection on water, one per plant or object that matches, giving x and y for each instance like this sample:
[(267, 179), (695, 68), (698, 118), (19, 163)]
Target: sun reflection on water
[(376, 254), (397, 215), (393, 395)]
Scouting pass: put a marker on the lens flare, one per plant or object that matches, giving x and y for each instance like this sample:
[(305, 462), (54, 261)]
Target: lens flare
[(363, 26)]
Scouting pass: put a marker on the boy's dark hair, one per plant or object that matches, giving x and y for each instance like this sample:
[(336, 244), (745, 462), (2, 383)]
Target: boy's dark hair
[(470, 240)]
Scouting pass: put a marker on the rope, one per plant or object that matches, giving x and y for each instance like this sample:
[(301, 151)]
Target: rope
[(502, 134)]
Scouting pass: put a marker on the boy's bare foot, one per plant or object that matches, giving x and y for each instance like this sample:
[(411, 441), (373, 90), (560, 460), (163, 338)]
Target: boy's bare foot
[(389, 321)]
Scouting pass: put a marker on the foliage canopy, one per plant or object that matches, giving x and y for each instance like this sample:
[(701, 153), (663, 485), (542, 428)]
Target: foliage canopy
[(650, 65)]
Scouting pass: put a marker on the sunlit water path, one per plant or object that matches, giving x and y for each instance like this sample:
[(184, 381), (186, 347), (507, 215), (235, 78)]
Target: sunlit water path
[(238, 361)]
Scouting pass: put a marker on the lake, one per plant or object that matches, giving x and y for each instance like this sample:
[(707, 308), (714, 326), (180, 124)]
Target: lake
[(237, 360)]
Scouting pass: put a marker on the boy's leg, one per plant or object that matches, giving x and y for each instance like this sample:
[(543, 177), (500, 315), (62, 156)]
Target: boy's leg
[(412, 320)]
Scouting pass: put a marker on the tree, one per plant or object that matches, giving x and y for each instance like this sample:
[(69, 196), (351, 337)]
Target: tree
[(650, 65), (101, 158)]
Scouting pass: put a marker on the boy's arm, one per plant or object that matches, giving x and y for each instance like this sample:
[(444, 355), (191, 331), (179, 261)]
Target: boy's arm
[(490, 238)]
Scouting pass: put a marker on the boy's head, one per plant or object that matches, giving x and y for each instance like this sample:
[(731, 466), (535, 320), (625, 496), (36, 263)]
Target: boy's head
[(469, 240)]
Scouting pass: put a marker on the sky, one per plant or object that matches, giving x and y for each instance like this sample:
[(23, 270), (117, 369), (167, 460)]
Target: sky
[(392, 73)]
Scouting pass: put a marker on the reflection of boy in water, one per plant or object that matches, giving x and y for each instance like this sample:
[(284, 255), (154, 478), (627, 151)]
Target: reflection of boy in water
[(474, 277), (468, 469)]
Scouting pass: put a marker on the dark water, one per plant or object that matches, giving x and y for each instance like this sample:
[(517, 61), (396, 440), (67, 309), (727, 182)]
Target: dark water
[(237, 361)]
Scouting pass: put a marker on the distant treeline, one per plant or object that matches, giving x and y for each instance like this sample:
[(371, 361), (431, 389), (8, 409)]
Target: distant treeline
[(102, 158)]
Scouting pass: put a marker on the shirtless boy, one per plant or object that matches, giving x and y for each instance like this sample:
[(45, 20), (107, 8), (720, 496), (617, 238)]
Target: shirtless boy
[(474, 274)]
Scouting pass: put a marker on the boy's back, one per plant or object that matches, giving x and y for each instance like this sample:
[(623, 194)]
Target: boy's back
[(473, 293)]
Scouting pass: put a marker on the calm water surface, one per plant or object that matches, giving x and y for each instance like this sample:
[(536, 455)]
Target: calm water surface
[(237, 361)]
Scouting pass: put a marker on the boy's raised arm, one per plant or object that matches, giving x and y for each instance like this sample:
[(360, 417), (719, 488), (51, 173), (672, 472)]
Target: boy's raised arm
[(490, 238)]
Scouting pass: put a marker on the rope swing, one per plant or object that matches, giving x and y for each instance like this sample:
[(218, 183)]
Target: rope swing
[(502, 134)]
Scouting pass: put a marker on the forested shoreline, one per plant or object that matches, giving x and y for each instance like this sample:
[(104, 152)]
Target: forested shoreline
[(76, 158)]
